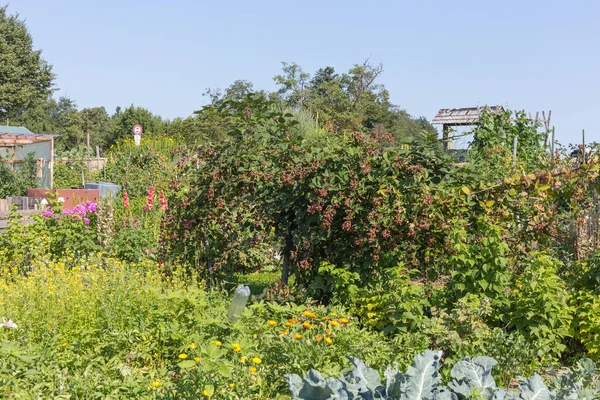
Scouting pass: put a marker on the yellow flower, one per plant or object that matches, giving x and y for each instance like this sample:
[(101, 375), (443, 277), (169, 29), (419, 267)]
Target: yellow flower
[(297, 336), (328, 331), (218, 343), (155, 384), (192, 346), (285, 332), (252, 370), (197, 359), (236, 347), (243, 359), (333, 323), (256, 360), (288, 324), (343, 320), (231, 385), (205, 393), (328, 340), (333, 314), (325, 318), (271, 322), (319, 338), (309, 314), (306, 325), (183, 356), (293, 320)]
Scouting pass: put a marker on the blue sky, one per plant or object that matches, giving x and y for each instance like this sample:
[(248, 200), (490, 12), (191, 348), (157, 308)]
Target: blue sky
[(532, 55)]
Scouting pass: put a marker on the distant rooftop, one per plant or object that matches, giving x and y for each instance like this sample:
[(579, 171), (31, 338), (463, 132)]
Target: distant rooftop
[(10, 135), (463, 116)]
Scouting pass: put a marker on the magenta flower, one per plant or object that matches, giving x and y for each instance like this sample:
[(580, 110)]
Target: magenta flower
[(66, 211), (86, 221), (90, 206), (48, 213)]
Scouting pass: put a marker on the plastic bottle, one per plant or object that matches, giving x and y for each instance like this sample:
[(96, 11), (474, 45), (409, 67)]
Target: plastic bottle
[(240, 297)]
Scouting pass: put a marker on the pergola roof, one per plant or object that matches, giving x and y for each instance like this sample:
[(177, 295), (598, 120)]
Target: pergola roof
[(462, 116), (14, 135)]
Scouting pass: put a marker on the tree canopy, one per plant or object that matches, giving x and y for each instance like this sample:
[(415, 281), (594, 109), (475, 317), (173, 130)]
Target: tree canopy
[(26, 79)]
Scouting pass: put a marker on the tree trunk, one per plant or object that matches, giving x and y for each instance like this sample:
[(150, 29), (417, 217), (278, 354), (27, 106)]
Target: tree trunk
[(285, 270)]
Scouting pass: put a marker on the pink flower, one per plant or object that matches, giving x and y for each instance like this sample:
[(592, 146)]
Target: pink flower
[(125, 200), (48, 213), (86, 221), (163, 202), (90, 206)]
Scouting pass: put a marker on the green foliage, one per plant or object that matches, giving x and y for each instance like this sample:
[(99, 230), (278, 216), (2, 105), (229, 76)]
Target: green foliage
[(132, 244), (25, 77), (494, 139), (480, 264), (542, 308), (16, 183)]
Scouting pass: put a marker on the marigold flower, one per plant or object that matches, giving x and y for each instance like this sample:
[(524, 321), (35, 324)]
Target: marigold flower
[(297, 336), (243, 359), (333, 323), (183, 356), (232, 385), (319, 338), (252, 370), (271, 322), (236, 347), (328, 340), (256, 360), (306, 325), (284, 332), (155, 384), (218, 343), (293, 320), (328, 331), (344, 320), (288, 324), (325, 318), (192, 346), (197, 359), (309, 314)]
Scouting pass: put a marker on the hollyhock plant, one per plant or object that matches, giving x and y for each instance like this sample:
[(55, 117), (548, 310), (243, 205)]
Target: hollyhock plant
[(125, 200)]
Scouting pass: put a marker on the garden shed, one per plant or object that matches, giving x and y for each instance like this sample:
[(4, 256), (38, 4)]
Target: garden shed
[(17, 143)]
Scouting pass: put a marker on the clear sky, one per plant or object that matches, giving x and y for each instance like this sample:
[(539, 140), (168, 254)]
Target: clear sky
[(162, 55)]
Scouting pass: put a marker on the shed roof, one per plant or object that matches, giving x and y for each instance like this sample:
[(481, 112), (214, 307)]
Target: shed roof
[(462, 116), (13, 135)]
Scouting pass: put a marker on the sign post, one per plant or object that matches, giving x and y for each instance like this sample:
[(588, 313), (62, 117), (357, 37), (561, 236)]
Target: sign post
[(137, 134)]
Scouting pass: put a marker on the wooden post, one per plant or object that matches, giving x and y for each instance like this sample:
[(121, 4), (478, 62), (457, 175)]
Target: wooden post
[(445, 136), (515, 147), (52, 163), (89, 162), (552, 140), (583, 143), (98, 158)]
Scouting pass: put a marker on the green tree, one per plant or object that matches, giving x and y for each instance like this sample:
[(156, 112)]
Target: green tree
[(98, 123), (26, 79), (125, 121)]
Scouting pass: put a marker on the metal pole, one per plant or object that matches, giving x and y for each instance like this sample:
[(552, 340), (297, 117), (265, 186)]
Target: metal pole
[(552, 140), (515, 146)]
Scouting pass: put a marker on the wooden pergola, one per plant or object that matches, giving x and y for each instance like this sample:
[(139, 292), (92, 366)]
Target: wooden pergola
[(449, 117)]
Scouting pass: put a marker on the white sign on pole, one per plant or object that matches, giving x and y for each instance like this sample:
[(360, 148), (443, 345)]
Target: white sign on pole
[(137, 134)]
